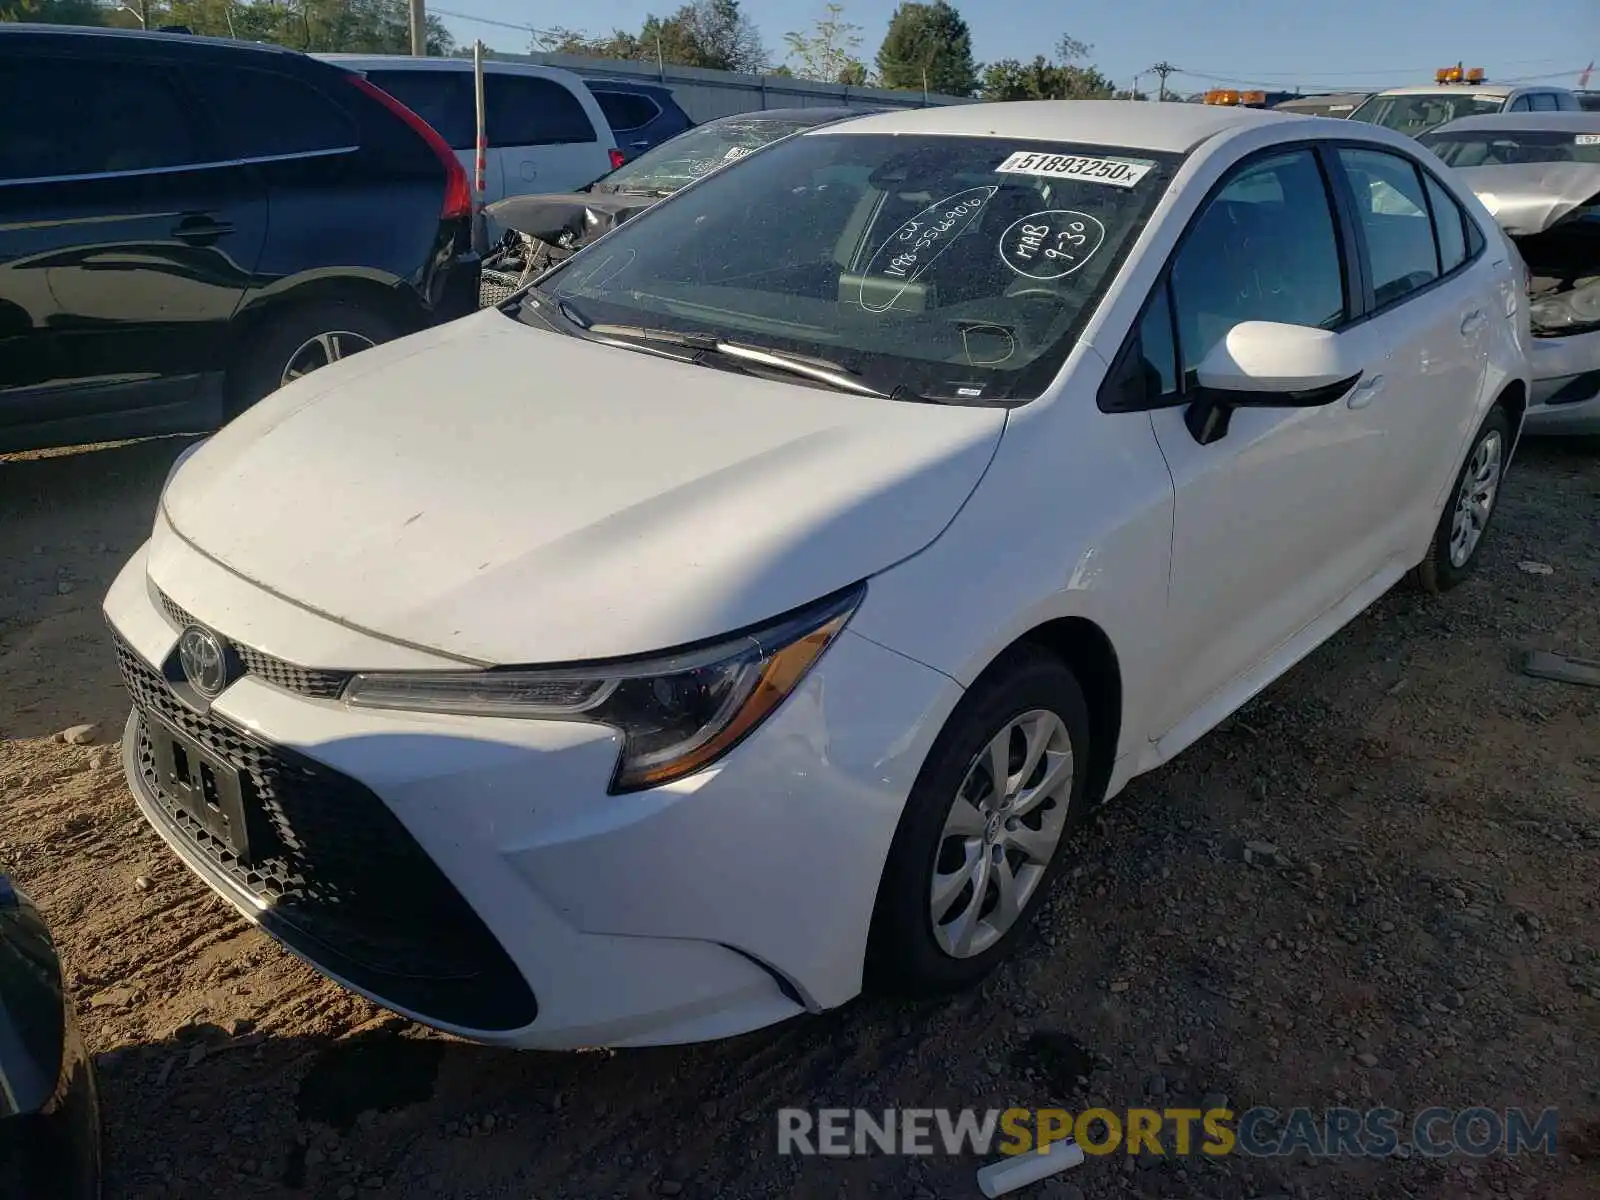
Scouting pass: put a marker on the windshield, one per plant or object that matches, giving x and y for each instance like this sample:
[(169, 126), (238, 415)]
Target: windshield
[(1419, 113), (678, 161), (1482, 148), (956, 267)]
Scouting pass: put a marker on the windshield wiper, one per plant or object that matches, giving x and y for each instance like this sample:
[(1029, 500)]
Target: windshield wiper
[(835, 375), (823, 370)]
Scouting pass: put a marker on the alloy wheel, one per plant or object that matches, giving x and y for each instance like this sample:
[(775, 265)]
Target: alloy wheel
[(1001, 832), (1480, 485), (321, 350)]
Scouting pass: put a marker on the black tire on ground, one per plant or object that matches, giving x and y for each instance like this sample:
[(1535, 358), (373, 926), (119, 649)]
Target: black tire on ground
[(903, 956), (266, 354), (1438, 572)]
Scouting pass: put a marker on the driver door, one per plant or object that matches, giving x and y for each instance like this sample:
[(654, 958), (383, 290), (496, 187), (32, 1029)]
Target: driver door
[(1279, 519)]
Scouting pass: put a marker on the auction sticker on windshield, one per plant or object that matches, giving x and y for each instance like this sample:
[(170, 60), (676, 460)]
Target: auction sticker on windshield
[(1119, 172)]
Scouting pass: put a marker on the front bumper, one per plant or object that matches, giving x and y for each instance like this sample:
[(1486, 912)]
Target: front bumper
[(474, 874), (1566, 385)]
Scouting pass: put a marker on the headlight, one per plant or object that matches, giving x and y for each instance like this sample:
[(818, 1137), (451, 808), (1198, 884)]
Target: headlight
[(677, 713)]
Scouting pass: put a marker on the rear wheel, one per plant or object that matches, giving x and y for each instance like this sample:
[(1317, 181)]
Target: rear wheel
[(301, 340), (982, 833), (1453, 554)]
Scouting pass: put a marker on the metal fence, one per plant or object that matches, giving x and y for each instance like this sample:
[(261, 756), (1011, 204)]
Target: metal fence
[(707, 94)]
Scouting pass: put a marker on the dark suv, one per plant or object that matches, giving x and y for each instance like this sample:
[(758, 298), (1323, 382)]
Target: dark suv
[(187, 223), (641, 115)]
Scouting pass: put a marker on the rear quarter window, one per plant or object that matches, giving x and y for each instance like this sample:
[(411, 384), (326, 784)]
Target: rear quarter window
[(441, 98), (525, 110), (625, 111), (262, 114)]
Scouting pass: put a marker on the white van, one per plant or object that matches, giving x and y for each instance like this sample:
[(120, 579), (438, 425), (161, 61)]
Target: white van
[(546, 130)]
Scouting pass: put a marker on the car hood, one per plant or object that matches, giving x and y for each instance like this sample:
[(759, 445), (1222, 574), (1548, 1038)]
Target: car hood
[(503, 494), (1529, 198), (582, 217)]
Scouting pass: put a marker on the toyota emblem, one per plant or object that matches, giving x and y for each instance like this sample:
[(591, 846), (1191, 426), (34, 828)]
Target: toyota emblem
[(204, 660)]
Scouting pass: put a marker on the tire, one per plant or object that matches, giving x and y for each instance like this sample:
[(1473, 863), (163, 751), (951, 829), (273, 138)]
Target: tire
[(1476, 491), (912, 953), (293, 334)]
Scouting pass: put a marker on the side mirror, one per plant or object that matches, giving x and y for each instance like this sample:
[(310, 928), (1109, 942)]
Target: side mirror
[(1268, 364)]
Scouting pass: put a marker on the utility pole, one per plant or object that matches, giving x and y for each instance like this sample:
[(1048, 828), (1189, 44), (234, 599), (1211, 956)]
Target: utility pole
[(419, 30), (1163, 69)]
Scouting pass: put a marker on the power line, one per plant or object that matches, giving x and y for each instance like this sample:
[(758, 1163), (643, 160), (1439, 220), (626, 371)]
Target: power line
[(461, 16)]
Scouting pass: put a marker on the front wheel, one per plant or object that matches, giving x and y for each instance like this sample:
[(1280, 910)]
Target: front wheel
[(983, 829), (303, 339), (1453, 553)]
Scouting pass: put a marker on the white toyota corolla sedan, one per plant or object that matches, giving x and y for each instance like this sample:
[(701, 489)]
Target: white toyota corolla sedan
[(747, 614)]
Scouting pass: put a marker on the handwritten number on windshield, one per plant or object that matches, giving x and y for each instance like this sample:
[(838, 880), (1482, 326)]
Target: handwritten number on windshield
[(1051, 244), (911, 249)]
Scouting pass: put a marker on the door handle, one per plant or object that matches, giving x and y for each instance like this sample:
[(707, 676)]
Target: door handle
[(1365, 393), (641, 144), (1472, 322), (200, 229)]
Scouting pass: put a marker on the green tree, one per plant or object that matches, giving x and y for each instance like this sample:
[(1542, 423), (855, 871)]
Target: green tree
[(828, 51), (52, 12), (1043, 79), (715, 34), (928, 46)]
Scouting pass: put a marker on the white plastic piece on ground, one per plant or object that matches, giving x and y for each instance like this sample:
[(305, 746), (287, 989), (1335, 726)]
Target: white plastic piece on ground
[(1008, 1175)]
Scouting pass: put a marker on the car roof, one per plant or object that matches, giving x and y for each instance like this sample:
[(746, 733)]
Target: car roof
[(150, 37), (1489, 91), (408, 62), (1526, 122), (1324, 98), (607, 83), (1136, 124)]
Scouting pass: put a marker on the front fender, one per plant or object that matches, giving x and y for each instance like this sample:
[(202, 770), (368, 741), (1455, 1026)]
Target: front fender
[(1072, 519)]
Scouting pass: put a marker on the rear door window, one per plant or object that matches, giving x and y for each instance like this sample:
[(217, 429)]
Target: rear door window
[(261, 114), (71, 117), (525, 110), (443, 99), (1393, 213), (625, 111), (1450, 222)]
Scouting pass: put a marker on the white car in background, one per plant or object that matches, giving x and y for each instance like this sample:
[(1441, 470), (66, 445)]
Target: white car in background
[(1415, 110), (546, 131), (749, 612), (1540, 177)]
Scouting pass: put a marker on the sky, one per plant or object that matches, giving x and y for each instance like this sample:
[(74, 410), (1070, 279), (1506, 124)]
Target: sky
[(1355, 45)]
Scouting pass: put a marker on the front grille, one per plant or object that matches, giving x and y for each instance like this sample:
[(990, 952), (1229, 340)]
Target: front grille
[(495, 286), (306, 681), (344, 883)]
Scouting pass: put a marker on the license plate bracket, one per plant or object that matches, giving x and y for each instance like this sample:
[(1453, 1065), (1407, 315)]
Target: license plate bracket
[(207, 787)]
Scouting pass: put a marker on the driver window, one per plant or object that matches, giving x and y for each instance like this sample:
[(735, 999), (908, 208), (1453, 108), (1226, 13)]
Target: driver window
[(1263, 250)]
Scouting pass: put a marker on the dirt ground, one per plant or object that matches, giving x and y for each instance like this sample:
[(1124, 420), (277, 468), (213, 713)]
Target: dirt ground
[(1422, 929)]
